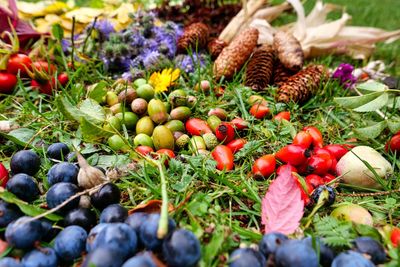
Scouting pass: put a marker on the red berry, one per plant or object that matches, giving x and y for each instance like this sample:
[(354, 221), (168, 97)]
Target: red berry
[(3, 175), (320, 162), (224, 158), (316, 136), (328, 178), (284, 115), (240, 124), (8, 82), (63, 78), (279, 170), (305, 192), (395, 237), (336, 150), (19, 63), (292, 154), (225, 132), (259, 111), (263, 167), (393, 144), (144, 150), (236, 145), (314, 180), (303, 138)]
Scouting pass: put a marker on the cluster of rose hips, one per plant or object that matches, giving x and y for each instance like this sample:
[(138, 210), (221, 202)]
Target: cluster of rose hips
[(307, 156)]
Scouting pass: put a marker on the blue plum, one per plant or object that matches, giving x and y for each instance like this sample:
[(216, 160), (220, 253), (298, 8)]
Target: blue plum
[(24, 232), (62, 172), (25, 161), (113, 213), (24, 187), (70, 243), (40, 257)]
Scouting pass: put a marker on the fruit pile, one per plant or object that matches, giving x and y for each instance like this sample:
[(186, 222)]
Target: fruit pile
[(111, 239), (44, 77), (278, 250)]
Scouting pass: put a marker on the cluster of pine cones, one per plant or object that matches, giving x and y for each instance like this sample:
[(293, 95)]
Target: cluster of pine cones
[(281, 64)]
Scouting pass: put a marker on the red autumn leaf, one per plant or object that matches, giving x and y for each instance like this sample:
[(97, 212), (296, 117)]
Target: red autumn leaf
[(24, 31), (282, 207)]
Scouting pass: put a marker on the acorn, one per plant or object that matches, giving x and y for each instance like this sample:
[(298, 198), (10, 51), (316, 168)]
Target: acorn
[(180, 113), (139, 106), (127, 96), (111, 98), (219, 112), (175, 126), (196, 143), (145, 125), (210, 140), (157, 111), (182, 141), (213, 121), (163, 138)]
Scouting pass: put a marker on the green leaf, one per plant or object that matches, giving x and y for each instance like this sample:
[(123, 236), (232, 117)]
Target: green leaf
[(375, 104), (92, 111), (93, 132), (99, 91), (69, 110), (372, 87), (366, 230), (393, 102), (372, 131), (211, 250), (394, 124), (356, 101), (108, 161), (26, 208), (57, 31), (20, 136)]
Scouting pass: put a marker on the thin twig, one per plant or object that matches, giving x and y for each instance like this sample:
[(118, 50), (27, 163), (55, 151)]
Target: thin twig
[(384, 193), (87, 191)]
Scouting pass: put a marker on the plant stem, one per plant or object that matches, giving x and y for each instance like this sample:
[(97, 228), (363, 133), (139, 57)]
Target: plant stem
[(163, 224)]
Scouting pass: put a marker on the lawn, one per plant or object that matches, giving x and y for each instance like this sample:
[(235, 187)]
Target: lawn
[(222, 208)]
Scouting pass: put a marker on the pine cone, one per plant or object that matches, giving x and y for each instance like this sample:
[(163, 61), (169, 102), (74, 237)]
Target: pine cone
[(289, 50), (281, 74), (235, 54), (215, 47), (301, 86), (260, 67), (194, 36)]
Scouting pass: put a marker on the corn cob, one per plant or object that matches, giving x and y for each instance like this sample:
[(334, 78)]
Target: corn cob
[(288, 50)]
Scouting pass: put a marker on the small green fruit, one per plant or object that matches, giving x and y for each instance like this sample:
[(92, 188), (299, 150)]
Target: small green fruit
[(163, 138), (354, 213), (145, 91), (117, 143), (191, 101), (157, 111), (145, 125), (180, 113), (196, 143), (143, 140), (256, 99), (130, 119), (112, 124), (175, 126), (139, 82), (213, 121), (111, 98)]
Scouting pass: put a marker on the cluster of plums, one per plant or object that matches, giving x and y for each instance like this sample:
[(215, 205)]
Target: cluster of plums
[(113, 239), (276, 249)]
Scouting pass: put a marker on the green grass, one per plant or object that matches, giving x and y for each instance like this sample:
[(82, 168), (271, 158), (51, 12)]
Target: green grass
[(222, 208)]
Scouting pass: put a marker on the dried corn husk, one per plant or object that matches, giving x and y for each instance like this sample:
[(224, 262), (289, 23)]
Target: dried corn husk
[(318, 36), (260, 67), (252, 10), (288, 50), (233, 57)]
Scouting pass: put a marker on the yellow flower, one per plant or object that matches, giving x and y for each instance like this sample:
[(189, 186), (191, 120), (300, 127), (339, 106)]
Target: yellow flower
[(161, 81)]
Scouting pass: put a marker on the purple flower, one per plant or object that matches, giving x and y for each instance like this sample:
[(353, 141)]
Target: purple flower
[(151, 59), (188, 63), (104, 27), (344, 73)]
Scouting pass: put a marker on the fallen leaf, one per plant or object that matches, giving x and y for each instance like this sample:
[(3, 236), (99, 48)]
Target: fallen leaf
[(282, 207), (151, 206)]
